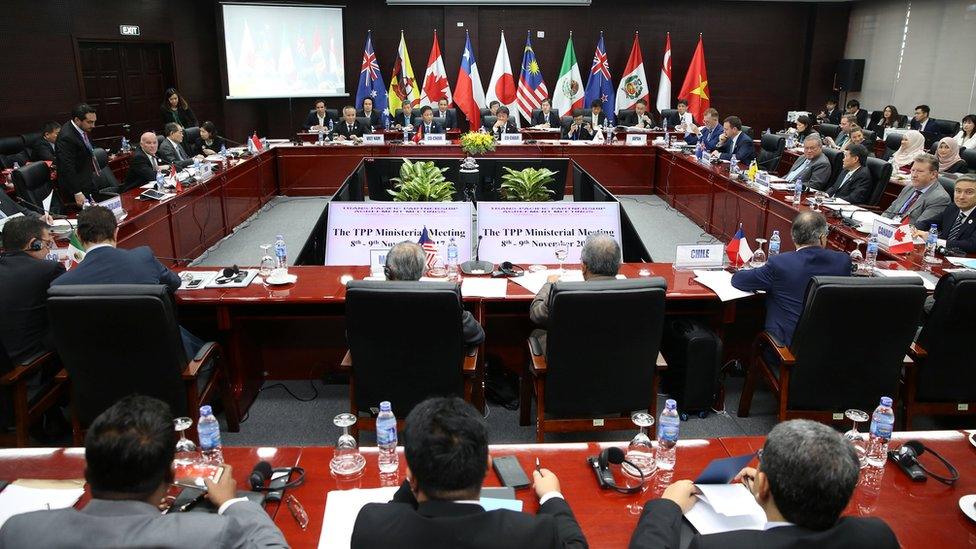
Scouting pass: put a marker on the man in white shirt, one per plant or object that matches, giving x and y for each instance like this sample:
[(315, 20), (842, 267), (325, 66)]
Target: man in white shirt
[(921, 122), (686, 121)]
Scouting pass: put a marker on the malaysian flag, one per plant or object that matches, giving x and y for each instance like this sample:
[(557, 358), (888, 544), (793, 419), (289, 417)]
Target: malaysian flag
[(430, 248), (531, 87)]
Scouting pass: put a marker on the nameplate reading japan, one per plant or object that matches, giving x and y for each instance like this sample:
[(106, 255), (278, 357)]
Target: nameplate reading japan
[(373, 138), (355, 229), (696, 256), (435, 138), (531, 232), (511, 139), (636, 139)]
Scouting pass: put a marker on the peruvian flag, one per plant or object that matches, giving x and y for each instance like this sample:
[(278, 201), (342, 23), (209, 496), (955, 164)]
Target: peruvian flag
[(633, 83), (664, 88), (695, 89), (256, 141), (468, 93), (738, 249), (901, 241), (501, 87), (435, 79)]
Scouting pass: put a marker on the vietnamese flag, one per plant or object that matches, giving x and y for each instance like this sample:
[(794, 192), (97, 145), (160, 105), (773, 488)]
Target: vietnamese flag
[(695, 89)]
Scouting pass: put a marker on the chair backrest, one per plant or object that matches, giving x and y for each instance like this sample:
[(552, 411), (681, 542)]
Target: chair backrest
[(33, 183), (485, 112), (602, 345), (106, 177), (828, 130), (946, 127), (135, 347), (191, 136), (771, 151), (948, 183), (624, 114), (535, 112), (875, 117), (29, 139), (879, 316), (406, 342), (880, 176), (969, 155), (12, 145), (748, 131), (946, 374), (364, 120), (836, 158), (892, 144), (584, 112), (869, 138), (670, 115), (489, 120)]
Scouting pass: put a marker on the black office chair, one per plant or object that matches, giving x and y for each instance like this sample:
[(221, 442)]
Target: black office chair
[(969, 155), (862, 118), (869, 139), (13, 147), (817, 381), (880, 176), (29, 140), (892, 144), (33, 184), (771, 151), (836, 158), (488, 121), (748, 131), (624, 115), (875, 117), (948, 183), (106, 181), (364, 120), (406, 345), (940, 381), (585, 113), (135, 347), (535, 112), (947, 127), (485, 112), (670, 115), (191, 137), (591, 369), (828, 130), (24, 408)]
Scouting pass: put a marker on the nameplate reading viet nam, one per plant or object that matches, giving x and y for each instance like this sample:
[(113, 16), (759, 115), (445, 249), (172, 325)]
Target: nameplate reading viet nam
[(637, 139), (697, 256), (435, 138), (511, 139), (373, 138)]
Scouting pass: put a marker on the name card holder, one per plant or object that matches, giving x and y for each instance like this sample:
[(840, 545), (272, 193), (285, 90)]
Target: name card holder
[(636, 139), (373, 138), (511, 139), (435, 139), (699, 256)]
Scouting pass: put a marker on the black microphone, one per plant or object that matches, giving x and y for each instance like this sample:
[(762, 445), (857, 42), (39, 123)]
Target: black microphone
[(232, 142), (260, 475), (37, 208), (476, 266)]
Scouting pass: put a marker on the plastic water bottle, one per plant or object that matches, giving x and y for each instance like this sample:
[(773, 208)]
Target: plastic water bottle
[(452, 260), (667, 135), (667, 436), (774, 242), (734, 166), (209, 430), (321, 136), (699, 151), (797, 192), (196, 166), (16, 165), (882, 423), (931, 243), (281, 252), (123, 145), (386, 439), (160, 181), (871, 256), (331, 126), (223, 150), (406, 135)]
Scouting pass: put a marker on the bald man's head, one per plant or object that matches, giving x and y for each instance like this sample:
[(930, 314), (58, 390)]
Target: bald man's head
[(148, 143)]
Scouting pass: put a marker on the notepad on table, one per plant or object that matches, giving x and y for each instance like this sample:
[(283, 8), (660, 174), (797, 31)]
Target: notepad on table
[(16, 498)]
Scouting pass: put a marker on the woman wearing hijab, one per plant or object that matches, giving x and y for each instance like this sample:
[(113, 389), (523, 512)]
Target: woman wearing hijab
[(949, 160), (912, 143)]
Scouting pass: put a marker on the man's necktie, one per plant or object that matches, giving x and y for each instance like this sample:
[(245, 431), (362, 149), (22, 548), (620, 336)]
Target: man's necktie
[(795, 172), (956, 227), (841, 139), (908, 203), (844, 181), (84, 136)]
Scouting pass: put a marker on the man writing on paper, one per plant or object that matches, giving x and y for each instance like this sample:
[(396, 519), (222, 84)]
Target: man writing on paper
[(806, 475), (406, 261), (785, 276), (128, 465), (601, 261), (922, 202), (814, 168), (445, 441)]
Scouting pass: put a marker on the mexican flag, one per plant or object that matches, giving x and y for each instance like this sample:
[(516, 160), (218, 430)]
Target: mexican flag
[(75, 251), (568, 92)]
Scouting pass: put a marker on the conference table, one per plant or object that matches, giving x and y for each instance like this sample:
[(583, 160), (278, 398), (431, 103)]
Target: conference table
[(922, 514)]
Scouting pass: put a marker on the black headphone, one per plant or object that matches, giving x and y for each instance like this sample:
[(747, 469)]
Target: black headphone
[(908, 454), (231, 274), (263, 471), (604, 477), (35, 245), (506, 268)]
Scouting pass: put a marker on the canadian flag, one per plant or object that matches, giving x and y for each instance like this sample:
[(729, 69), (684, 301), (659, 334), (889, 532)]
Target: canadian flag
[(501, 87), (901, 241), (435, 79)]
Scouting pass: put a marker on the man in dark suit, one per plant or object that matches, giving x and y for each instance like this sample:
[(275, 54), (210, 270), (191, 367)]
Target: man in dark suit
[(860, 115), (446, 116), (922, 202), (734, 142), (404, 119), (923, 123), (853, 183), (128, 465), (75, 156), (957, 225), (25, 275), (375, 118), (546, 116), (503, 123), (349, 129), (847, 122), (144, 165), (427, 123), (172, 151), (709, 134), (806, 475), (578, 130), (785, 276), (407, 261), (44, 147), (317, 119), (446, 446), (830, 113), (597, 117), (640, 118), (813, 168)]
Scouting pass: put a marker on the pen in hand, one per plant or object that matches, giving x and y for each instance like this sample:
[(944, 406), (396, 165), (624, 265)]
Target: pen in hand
[(538, 466)]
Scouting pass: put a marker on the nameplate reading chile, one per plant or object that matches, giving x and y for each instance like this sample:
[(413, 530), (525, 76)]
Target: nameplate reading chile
[(694, 256)]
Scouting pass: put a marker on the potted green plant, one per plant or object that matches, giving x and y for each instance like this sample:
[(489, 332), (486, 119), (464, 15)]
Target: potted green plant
[(528, 185), (421, 182)]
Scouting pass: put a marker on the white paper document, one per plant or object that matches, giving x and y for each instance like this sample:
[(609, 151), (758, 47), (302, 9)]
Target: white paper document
[(929, 284), (484, 287), (720, 282), (725, 507), (16, 499), (341, 509)]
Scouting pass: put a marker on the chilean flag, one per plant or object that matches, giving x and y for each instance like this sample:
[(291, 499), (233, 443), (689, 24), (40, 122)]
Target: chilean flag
[(738, 248), (469, 96)]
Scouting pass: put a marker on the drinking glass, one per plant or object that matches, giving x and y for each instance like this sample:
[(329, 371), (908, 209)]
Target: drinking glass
[(818, 200), (186, 457), (267, 262), (346, 461), (857, 258), (561, 254), (640, 452), (759, 256), (860, 445)]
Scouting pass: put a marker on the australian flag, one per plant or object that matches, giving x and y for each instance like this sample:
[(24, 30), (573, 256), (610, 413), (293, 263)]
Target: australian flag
[(371, 81), (598, 85)]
